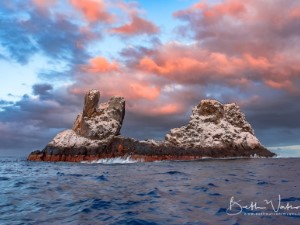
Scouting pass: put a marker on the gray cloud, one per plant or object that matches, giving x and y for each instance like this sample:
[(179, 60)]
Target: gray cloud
[(42, 90)]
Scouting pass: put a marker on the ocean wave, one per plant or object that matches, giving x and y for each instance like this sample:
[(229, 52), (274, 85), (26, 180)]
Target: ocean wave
[(128, 159), (147, 193), (117, 160)]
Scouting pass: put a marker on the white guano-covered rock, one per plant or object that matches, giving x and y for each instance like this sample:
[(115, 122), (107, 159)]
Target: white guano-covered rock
[(214, 125), (103, 122), (96, 126), (69, 139)]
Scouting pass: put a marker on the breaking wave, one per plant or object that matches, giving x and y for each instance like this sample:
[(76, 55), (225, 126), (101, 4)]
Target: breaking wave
[(117, 160)]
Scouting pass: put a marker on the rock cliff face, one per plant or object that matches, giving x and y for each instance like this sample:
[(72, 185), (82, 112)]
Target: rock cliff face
[(100, 123), (214, 125), (95, 126), (214, 130)]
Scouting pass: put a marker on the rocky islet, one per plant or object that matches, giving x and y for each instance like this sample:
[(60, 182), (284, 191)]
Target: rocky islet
[(214, 130)]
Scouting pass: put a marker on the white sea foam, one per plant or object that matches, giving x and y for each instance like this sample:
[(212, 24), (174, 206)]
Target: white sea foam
[(229, 158), (255, 156), (128, 159), (117, 160)]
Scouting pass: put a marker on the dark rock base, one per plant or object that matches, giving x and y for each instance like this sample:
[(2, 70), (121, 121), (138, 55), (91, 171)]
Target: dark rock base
[(142, 151)]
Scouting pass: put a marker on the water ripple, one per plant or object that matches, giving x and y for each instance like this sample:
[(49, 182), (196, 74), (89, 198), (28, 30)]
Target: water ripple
[(106, 192)]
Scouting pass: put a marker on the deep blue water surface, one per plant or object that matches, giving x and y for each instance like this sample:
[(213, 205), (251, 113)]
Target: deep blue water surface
[(196, 192)]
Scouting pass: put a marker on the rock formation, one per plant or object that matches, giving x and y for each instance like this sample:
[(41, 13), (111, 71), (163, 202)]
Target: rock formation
[(100, 123), (214, 130), (214, 125)]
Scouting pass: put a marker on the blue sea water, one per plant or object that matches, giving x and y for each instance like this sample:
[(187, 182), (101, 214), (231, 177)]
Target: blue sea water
[(117, 192)]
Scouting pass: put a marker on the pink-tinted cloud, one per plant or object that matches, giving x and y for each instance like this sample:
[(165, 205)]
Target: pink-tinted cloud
[(115, 80), (145, 94), (100, 65), (171, 65), (190, 64), (159, 108), (214, 12), (295, 13), (167, 109), (235, 45), (44, 3), (143, 90), (136, 26), (238, 27), (93, 10), (251, 40), (236, 51), (280, 84)]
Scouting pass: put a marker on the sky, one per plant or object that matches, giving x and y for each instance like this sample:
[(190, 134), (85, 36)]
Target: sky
[(164, 57)]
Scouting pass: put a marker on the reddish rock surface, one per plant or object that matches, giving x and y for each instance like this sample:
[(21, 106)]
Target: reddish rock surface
[(142, 151)]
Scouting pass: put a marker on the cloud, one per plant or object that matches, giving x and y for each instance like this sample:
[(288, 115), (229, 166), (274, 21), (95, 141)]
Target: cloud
[(44, 4), (295, 13), (5, 103), (13, 37), (167, 109), (235, 66), (54, 29), (188, 64), (137, 26), (93, 10), (234, 51), (32, 31), (23, 137), (122, 83), (31, 122), (42, 90), (233, 43), (100, 65), (238, 27)]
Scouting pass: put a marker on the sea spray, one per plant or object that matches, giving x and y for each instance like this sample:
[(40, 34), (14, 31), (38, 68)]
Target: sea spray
[(117, 160)]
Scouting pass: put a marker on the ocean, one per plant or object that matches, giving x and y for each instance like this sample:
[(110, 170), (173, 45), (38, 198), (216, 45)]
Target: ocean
[(208, 191)]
